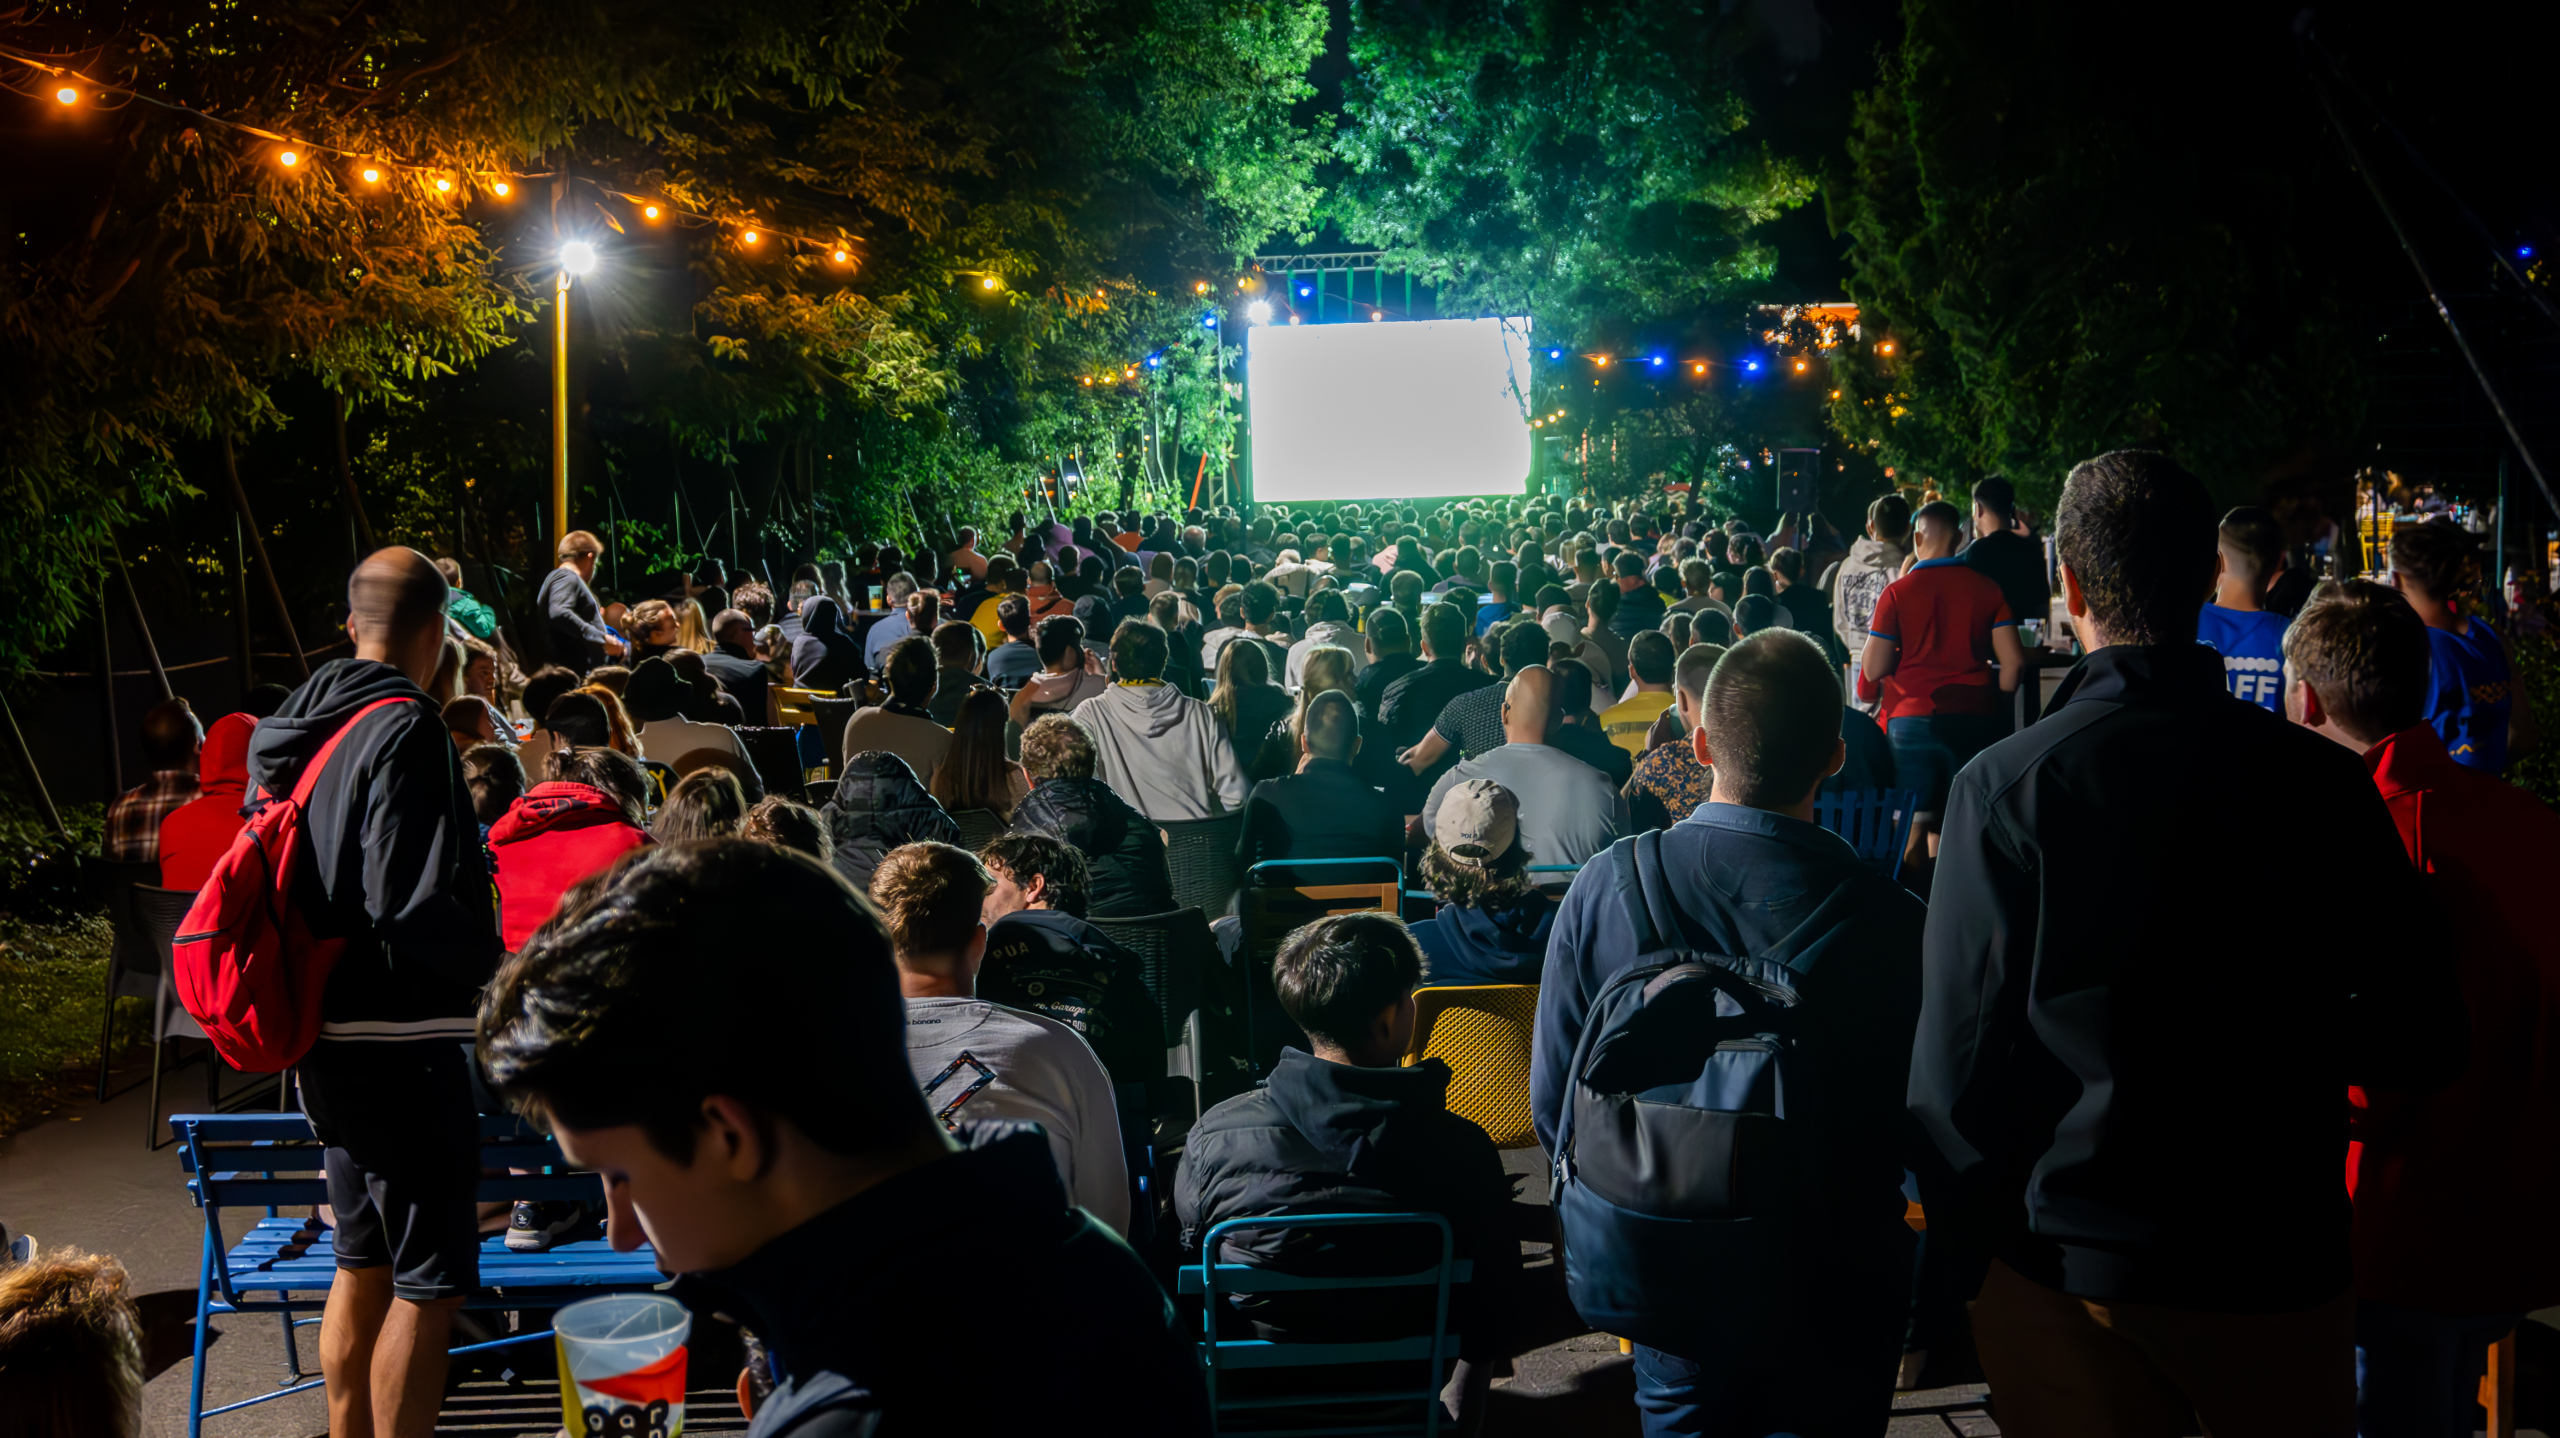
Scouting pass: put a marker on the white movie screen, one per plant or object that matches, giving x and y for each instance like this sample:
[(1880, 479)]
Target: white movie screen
[(1420, 409)]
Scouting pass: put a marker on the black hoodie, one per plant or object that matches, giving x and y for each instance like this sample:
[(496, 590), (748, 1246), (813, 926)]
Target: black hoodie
[(1124, 852), (824, 657), (1321, 1137), (396, 862)]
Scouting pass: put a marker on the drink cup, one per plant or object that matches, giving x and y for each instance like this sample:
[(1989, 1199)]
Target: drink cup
[(875, 595), (622, 1366)]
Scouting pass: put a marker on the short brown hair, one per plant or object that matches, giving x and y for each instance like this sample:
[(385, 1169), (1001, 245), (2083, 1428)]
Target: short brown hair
[(1772, 717), (930, 895), (2252, 537), (911, 669), (2439, 556), (786, 825), (1139, 650), (1334, 975), (2138, 532), (577, 542), (2364, 651), (1057, 747), (70, 1349)]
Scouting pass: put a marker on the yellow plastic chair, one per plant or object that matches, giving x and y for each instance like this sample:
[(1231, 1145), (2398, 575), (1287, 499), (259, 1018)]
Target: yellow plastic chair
[(1481, 1031), (795, 706)]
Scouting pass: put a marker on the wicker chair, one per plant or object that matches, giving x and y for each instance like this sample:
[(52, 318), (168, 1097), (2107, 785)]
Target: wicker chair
[(1202, 855), (978, 827), (1172, 949), (832, 715)]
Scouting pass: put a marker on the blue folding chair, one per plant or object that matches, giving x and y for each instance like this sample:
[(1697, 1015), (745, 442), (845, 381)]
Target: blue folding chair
[(1216, 1282), (285, 1266), (1876, 822), (1273, 908)]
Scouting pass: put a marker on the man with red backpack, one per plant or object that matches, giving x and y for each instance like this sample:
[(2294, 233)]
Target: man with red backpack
[(395, 869)]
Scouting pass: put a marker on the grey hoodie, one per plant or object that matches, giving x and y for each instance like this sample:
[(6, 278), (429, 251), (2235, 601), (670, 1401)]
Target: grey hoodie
[(1858, 583), (1163, 752)]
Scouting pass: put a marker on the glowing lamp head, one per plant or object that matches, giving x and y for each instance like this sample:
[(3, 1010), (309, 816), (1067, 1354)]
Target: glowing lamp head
[(843, 255), (1201, 288), (1600, 360), (67, 95), (443, 186), (1657, 361), (1885, 348), (1088, 379), (1377, 314), (1799, 366), (1303, 292), (2523, 252), (1208, 322), (1752, 365), (1698, 369), (988, 283), (502, 189), (288, 159), (1259, 312), (578, 257), (751, 237), (649, 212), (1555, 354), (371, 176)]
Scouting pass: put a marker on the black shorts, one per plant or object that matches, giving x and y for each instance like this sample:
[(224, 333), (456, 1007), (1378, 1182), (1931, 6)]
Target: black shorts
[(403, 1160)]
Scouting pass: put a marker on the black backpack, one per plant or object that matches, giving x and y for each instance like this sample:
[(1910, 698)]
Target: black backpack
[(1676, 1165)]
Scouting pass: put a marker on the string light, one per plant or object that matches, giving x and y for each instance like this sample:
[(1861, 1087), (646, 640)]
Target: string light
[(288, 159), (649, 211), (371, 176), (987, 283), (1201, 288), (750, 237), (1799, 366), (67, 95), (502, 188), (443, 185), (1885, 348), (1600, 360), (1698, 368), (842, 256)]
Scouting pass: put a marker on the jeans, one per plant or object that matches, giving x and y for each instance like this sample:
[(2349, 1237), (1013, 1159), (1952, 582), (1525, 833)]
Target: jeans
[(1929, 750), (1825, 1369), (2418, 1373)]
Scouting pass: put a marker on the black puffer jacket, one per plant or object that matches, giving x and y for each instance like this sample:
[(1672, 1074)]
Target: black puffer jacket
[(879, 806), (1122, 848), (1321, 1137)]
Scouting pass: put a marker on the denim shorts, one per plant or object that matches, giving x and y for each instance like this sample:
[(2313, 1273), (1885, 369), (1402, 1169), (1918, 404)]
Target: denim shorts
[(1929, 750)]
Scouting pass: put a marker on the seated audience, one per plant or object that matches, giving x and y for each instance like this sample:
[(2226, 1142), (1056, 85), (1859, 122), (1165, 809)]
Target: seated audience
[(171, 738), (957, 652), (911, 615), (2451, 1250), (1471, 723), (1577, 730), (879, 805), (1669, 782), (1329, 622), (1750, 875), (494, 775), (1067, 677), (786, 825), (1014, 659), (656, 697), (199, 832), (71, 1362), (734, 662), (471, 721), (577, 720), (1182, 642), (591, 811), (705, 804), (1351, 1127), (980, 1060), (1124, 851), (1252, 712), (976, 774), (1325, 810), (1640, 605), (1627, 722), (1390, 650), (1492, 923), (900, 724), (542, 689), (784, 1164), (824, 657), (1155, 746), (1569, 812), (621, 735), (1043, 958)]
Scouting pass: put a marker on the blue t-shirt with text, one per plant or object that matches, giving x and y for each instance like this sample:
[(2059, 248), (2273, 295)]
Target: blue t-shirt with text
[(2468, 695), (2251, 643)]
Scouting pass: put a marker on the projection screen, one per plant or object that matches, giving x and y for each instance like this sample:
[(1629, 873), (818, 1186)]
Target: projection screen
[(1418, 409)]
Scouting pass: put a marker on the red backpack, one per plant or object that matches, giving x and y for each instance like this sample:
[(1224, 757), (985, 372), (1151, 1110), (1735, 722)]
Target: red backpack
[(246, 965)]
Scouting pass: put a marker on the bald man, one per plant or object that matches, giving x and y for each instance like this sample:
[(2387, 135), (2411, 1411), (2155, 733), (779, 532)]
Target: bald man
[(171, 738), (396, 868), (1569, 811)]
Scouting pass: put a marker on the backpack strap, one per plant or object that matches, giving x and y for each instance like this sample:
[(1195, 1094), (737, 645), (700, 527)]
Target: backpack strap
[(1644, 888), (311, 772), (1628, 863)]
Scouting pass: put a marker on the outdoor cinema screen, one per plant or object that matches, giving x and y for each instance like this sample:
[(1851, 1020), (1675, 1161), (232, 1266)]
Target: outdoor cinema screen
[(1414, 409)]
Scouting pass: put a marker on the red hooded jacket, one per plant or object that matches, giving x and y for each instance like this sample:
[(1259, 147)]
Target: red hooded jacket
[(551, 838), (2452, 1188), (199, 832)]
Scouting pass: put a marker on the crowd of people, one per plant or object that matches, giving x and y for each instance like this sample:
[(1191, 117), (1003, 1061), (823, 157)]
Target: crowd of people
[(911, 1083)]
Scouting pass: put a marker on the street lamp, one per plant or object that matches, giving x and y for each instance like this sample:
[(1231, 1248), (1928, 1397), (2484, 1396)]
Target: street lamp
[(576, 258)]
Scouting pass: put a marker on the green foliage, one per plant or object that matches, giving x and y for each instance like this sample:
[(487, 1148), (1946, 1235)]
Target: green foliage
[(2059, 278), (1580, 163), (2536, 656), (52, 988)]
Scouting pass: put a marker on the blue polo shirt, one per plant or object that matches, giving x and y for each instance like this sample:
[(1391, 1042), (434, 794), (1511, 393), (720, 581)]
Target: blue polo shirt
[(2251, 643), (2469, 698)]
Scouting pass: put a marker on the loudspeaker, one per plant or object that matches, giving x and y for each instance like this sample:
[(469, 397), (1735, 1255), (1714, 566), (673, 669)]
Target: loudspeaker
[(1796, 470)]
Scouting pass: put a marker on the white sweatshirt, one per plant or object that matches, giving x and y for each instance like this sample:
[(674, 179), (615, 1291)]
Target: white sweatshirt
[(1163, 752), (977, 1060)]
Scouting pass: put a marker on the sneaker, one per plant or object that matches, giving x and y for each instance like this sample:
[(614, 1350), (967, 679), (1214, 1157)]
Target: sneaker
[(535, 1227)]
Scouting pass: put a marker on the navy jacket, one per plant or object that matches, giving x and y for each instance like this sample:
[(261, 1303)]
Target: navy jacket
[(1747, 878), (1463, 945), (965, 1296), (2139, 1031)]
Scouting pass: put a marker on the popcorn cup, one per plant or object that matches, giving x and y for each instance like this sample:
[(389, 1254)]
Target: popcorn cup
[(622, 1366)]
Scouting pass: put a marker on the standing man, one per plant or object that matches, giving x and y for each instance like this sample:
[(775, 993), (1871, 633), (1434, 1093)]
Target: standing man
[(1805, 1342), (2140, 1125), (579, 639), (2236, 625), (1928, 659), (2474, 702), (2003, 555), (396, 867), (1858, 581)]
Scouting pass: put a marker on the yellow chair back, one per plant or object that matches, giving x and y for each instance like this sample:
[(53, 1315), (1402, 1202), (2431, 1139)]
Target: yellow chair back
[(795, 706), (1481, 1031)]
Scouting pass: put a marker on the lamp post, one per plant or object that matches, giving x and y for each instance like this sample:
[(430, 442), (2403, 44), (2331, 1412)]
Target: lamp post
[(576, 258)]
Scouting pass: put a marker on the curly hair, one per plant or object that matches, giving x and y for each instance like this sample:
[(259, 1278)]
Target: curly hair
[(1502, 881)]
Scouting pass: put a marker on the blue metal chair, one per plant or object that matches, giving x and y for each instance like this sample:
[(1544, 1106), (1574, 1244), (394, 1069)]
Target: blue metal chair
[(284, 1265), (1876, 822), (1273, 909), (1216, 1282)]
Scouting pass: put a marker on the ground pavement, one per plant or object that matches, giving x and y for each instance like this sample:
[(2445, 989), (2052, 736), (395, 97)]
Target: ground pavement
[(82, 1179)]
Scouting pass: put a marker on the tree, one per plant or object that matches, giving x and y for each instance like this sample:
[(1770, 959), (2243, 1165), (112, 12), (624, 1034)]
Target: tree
[(1589, 165), (2051, 263)]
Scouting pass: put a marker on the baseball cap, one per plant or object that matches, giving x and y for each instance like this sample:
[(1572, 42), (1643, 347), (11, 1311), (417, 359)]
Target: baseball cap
[(1561, 628), (1477, 822)]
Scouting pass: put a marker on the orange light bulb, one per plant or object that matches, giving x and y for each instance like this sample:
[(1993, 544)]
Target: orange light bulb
[(288, 159), (67, 95)]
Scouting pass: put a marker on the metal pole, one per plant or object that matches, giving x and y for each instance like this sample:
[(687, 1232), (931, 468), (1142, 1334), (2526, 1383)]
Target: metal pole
[(347, 480), (258, 545), (560, 417), (34, 776), (240, 605), (150, 646)]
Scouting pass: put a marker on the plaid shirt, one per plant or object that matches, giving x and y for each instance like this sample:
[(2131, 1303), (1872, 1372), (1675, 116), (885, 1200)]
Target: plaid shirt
[(133, 820)]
